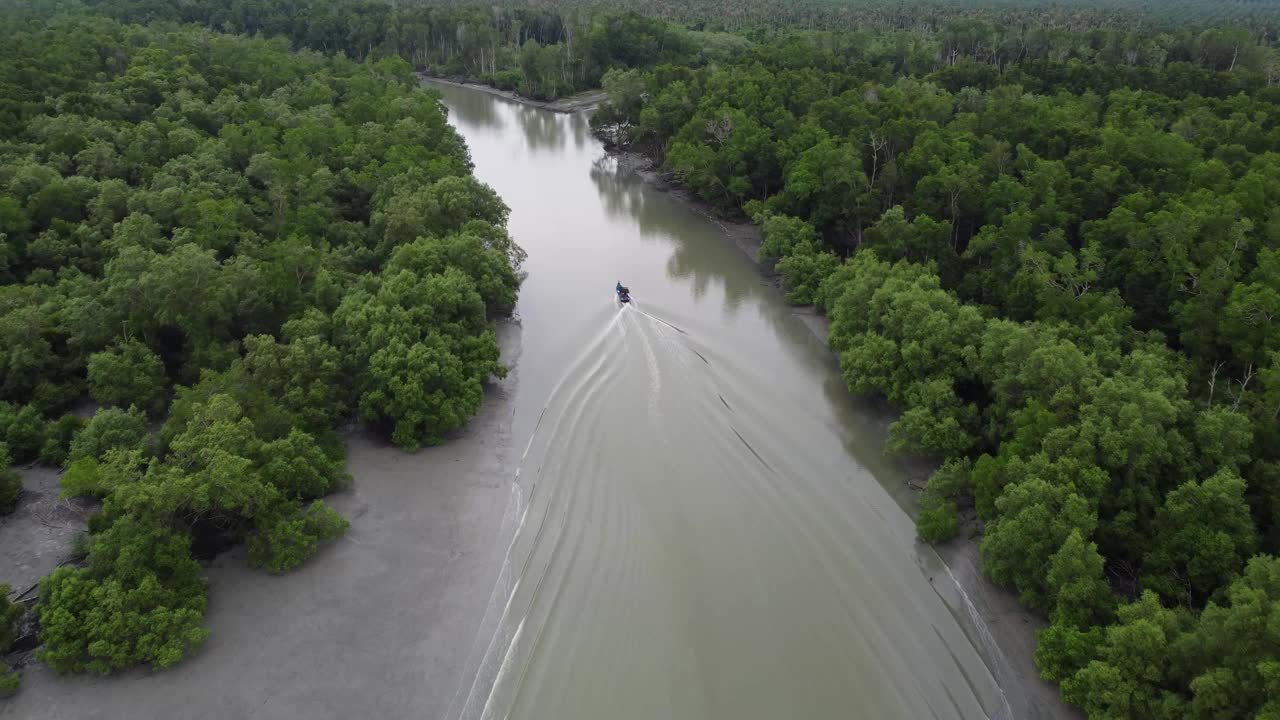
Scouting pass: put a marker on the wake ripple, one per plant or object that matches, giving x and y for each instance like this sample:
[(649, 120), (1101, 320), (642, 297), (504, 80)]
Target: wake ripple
[(688, 543)]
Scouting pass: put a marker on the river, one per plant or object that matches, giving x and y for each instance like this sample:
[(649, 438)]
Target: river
[(704, 523)]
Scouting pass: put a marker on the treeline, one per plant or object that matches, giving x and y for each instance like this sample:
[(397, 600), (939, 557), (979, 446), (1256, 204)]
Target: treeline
[(546, 51), (542, 52), (1067, 277), (230, 248), (761, 15)]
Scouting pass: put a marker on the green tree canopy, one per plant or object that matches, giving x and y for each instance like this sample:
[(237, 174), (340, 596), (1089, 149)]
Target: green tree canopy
[(127, 374), (10, 484)]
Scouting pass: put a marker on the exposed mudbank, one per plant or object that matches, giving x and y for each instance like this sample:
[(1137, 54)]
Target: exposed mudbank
[(991, 615), (35, 539), (586, 100), (377, 624), (41, 533)]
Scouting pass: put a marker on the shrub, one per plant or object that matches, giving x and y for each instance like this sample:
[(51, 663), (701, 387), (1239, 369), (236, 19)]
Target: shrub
[(288, 542), (22, 429), (938, 523), (139, 599), (58, 436), (10, 483), (109, 428), (127, 374), (9, 680), (10, 612)]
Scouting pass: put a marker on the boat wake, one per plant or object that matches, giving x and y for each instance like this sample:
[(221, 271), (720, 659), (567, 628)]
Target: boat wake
[(674, 554)]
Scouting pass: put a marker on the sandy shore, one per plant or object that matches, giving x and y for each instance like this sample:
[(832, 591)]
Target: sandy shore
[(996, 623), (378, 625), (586, 100)]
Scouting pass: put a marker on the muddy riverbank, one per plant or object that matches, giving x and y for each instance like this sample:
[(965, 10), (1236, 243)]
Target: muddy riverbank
[(41, 533), (378, 624), (586, 100), (991, 614)]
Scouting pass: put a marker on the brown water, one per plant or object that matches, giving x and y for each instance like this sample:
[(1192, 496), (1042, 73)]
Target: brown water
[(704, 524)]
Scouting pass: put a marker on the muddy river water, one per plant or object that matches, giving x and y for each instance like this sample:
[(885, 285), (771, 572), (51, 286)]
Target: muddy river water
[(704, 524)]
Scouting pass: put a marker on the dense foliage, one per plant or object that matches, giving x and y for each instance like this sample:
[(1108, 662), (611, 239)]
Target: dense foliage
[(756, 16), (10, 483), (543, 52), (548, 50), (1066, 273), (10, 612), (242, 246)]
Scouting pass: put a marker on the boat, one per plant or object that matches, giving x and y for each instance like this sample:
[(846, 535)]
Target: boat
[(624, 293)]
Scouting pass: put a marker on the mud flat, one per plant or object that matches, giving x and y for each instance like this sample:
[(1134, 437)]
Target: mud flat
[(377, 625), (41, 533), (36, 538)]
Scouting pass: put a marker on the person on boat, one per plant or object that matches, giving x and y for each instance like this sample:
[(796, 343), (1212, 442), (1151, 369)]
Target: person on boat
[(619, 288)]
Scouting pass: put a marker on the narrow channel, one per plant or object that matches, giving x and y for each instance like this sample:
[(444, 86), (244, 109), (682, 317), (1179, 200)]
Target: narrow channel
[(704, 524)]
